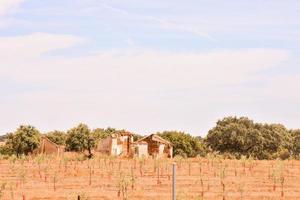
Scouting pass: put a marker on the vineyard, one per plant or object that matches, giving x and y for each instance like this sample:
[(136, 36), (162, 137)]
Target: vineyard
[(211, 178)]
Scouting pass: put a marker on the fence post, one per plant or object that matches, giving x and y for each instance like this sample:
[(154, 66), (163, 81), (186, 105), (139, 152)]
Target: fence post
[(174, 182)]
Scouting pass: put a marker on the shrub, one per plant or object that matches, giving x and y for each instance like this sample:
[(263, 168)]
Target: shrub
[(284, 154)]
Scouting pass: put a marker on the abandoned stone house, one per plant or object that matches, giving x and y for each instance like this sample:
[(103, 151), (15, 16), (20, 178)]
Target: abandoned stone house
[(48, 147), (121, 144), (117, 144), (153, 145)]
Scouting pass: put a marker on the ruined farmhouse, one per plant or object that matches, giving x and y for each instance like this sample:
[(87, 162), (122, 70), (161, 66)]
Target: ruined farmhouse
[(153, 145), (117, 144), (121, 144), (48, 147)]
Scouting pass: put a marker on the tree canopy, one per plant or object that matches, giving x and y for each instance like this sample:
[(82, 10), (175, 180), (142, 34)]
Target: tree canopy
[(231, 136), (79, 139), (24, 140), (296, 142), (100, 133), (58, 137), (241, 136), (184, 144)]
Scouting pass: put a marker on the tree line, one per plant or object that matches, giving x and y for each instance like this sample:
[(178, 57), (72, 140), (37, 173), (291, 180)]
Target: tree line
[(232, 137), (79, 139)]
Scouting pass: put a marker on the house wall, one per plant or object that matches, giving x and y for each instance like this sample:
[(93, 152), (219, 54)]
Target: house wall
[(153, 147), (170, 155), (122, 145), (104, 146), (115, 145), (48, 147), (124, 141), (158, 149), (161, 149), (142, 150)]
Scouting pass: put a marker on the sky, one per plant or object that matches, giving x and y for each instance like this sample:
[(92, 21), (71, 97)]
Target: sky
[(148, 66)]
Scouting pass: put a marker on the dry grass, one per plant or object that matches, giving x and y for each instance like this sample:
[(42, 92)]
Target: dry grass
[(213, 178)]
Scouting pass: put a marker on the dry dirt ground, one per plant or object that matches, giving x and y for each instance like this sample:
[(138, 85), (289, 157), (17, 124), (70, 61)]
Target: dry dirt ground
[(45, 178)]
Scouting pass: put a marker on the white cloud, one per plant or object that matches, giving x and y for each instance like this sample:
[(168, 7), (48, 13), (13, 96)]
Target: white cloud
[(34, 45), (138, 89), (131, 66), (8, 6), (166, 24), (21, 53)]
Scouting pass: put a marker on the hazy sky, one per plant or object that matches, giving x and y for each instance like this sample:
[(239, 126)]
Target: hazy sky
[(148, 66)]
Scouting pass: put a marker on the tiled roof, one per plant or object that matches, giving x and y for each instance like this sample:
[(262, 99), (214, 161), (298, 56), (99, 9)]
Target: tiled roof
[(156, 138)]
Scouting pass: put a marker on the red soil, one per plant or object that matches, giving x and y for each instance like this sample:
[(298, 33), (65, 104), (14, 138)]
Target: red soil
[(196, 179)]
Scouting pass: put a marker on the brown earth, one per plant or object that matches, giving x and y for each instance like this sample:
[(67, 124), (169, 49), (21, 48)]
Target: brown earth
[(110, 178)]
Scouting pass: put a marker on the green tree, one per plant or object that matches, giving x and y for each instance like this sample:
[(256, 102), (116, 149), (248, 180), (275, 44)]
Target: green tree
[(6, 150), (58, 137), (235, 136), (100, 133), (296, 143), (241, 136), (277, 139), (80, 139), (136, 137), (184, 144), (24, 140)]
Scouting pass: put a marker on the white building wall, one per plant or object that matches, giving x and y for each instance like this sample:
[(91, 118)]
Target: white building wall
[(142, 150), (161, 149), (116, 149)]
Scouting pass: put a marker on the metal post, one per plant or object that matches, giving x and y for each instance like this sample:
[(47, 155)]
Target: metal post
[(174, 182)]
